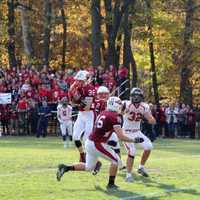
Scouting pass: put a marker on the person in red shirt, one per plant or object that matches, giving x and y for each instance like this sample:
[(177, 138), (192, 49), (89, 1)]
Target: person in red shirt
[(42, 92), (22, 108), (96, 145), (13, 118), (110, 84), (5, 118), (55, 94)]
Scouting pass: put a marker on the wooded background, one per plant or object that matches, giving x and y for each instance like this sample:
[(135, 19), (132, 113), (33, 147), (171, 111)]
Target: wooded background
[(157, 40)]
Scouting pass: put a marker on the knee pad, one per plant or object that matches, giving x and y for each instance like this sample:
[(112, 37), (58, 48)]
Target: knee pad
[(78, 143)]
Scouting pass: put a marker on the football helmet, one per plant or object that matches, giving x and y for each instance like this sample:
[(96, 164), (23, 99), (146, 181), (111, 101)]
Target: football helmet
[(103, 92), (114, 104), (137, 95), (82, 75)]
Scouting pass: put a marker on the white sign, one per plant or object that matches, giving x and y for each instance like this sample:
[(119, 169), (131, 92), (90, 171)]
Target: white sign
[(5, 98)]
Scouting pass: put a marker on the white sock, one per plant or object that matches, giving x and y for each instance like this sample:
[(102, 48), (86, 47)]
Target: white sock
[(141, 166), (128, 174)]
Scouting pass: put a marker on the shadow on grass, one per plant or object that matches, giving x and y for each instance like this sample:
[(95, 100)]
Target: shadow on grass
[(166, 189)]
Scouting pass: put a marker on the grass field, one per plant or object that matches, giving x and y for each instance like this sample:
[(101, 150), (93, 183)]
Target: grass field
[(28, 166)]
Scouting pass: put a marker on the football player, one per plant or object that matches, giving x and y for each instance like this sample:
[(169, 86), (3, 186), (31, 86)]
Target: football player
[(135, 110), (96, 145), (64, 115), (82, 93), (100, 105)]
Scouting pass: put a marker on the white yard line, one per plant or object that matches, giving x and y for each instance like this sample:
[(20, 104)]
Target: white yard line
[(159, 194), (28, 172)]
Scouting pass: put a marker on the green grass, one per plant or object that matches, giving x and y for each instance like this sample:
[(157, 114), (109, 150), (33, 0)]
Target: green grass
[(28, 166)]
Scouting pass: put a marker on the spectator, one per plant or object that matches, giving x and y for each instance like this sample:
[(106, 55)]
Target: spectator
[(4, 118), (171, 120), (191, 123), (22, 108), (122, 78), (13, 118), (182, 120), (197, 126), (44, 112), (33, 117)]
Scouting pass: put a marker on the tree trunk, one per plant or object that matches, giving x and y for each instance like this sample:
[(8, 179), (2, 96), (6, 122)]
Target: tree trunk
[(96, 33), (11, 34), (27, 40), (128, 57), (118, 49), (151, 52), (185, 85), (47, 30), (64, 40), (134, 70), (112, 27)]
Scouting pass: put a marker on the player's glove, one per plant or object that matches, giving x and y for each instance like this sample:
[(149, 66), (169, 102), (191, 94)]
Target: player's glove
[(138, 140)]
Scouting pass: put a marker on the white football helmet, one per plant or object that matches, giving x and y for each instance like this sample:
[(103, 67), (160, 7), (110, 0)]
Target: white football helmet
[(102, 89), (103, 93), (114, 104), (82, 75)]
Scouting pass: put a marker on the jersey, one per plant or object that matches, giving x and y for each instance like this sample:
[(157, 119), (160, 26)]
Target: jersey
[(86, 96), (99, 105), (104, 126), (64, 113), (134, 114)]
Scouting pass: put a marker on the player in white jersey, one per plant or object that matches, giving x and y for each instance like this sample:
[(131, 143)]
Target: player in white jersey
[(134, 111), (64, 115)]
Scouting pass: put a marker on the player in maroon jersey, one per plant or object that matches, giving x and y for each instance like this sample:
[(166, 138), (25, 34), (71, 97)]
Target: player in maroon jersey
[(100, 105), (96, 145), (82, 93)]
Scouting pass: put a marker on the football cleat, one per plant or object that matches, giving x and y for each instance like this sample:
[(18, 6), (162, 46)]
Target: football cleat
[(129, 179), (122, 168), (143, 172), (112, 187), (60, 172), (97, 168)]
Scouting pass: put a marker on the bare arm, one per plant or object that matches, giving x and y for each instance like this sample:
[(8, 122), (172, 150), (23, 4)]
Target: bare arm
[(150, 118), (119, 131)]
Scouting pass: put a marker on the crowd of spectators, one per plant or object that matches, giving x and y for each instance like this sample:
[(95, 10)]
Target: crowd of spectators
[(36, 93), (173, 121)]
